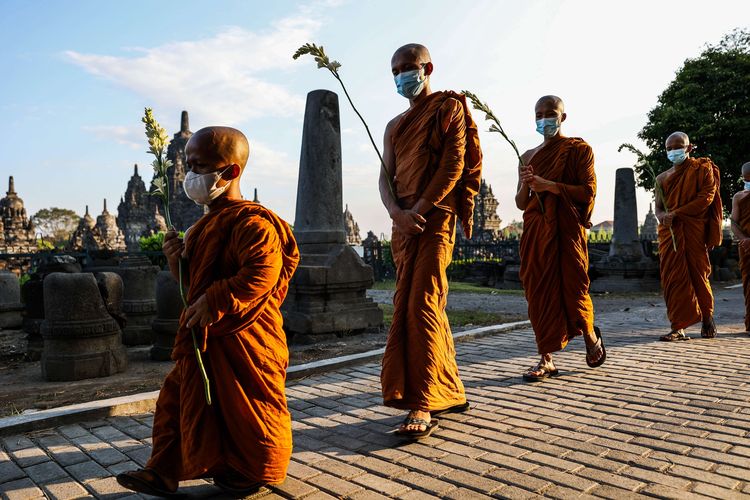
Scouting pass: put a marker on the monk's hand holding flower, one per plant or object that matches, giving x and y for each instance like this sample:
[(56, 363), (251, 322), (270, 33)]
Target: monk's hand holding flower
[(668, 219), (198, 313), (173, 248)]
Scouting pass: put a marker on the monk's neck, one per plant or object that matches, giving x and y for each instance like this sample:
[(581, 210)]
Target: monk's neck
[(554, 138), (421, 97), (230, 195)]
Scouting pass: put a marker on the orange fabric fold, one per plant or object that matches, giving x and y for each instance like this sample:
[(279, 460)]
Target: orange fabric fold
[(438, 158), (691, 194), (242, 257), (554, 250), (743, 221)]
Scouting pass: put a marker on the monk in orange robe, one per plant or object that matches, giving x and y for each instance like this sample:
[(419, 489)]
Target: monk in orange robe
[(240, 257), (690, 216), (433, 162), (741, 231), (556, 191)]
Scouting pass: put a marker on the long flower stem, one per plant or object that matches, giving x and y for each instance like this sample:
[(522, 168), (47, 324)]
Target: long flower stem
[(367, 129), (660, 193), (196, 348)]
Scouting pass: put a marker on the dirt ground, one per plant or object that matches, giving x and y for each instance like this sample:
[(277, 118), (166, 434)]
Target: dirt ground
[(23, 390)]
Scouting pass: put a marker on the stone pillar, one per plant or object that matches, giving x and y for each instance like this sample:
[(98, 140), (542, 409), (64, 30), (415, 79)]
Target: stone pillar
[(327, 293), (139, 300), (625, 268), (32, 293), (81, 337), (167, 321), (10, 301), (625, 241)]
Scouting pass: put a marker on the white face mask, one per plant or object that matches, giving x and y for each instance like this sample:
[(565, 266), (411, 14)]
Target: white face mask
[(201, 188)]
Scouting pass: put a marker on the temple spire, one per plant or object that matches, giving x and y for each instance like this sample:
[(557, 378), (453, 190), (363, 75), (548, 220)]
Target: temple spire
[(135, 169), (105, 206), (184, 122), (11, 186), (255, 195), (87, 209)]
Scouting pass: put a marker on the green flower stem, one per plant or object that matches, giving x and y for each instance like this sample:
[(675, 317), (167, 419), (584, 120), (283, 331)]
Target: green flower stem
[(644, 165), (158, 141), (497, 127), (198, 357), (325, 62)]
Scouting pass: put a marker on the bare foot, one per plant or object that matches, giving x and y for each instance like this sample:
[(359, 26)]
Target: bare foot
[(416, 414)]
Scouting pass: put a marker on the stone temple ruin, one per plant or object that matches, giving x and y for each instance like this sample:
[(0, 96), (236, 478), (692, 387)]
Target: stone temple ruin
[(17, 232), (102, 234), (139, 213)]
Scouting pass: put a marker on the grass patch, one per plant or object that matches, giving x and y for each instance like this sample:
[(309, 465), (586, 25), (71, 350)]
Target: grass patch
[(455, 287), (462, 318)]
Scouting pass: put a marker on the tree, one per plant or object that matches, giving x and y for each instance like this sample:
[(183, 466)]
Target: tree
[(709, 99), (56, 224)]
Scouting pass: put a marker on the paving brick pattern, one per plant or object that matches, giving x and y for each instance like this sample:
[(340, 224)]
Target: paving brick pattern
[(667, 420)]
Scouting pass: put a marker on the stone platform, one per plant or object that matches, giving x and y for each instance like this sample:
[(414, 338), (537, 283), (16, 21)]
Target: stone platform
[(666, 420)]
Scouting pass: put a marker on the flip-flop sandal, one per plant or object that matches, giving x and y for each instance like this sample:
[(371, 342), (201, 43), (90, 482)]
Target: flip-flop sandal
[(250, 491), (430, 427), (599, 345), (546, 373), (453, 409), (157, 488), (674, 335), (709, 332)]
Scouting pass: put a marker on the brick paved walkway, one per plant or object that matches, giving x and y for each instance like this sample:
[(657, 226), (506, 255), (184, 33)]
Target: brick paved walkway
[(659, 419)]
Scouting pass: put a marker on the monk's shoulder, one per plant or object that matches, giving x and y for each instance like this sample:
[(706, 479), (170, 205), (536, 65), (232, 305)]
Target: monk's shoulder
[(580, 145), (451, 105), (665, 174)]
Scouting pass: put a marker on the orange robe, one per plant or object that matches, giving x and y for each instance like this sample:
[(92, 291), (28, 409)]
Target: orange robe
[(554, 247), (743, 221), (692, 194), (438, 158), (242, 257)]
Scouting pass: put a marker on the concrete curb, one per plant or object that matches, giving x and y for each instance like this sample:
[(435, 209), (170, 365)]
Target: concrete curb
[(146, 401)]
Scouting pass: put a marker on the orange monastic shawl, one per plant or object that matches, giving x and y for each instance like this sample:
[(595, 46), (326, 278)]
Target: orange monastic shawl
[(242, 257), (554, 250), (438, 159), (692, 195), (743, 221)]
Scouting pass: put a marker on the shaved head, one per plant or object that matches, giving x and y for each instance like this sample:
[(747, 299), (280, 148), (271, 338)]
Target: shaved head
[(550, 101), (746, 169), (220, 146), (678, 137), (414, 52)]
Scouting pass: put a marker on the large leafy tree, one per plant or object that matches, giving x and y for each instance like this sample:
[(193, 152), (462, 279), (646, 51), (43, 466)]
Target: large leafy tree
[(709, 99), (56, 224)]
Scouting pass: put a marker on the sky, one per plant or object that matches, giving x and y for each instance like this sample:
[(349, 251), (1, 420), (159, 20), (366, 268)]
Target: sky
[(77, 75)]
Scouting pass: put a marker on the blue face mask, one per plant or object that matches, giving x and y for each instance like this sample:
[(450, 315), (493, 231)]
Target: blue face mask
[(548, 127), (410, 83), (677, 156), (747, 185)]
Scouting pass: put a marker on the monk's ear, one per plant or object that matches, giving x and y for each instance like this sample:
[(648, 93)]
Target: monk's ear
[(689, 148), (563, 117), (232, 172), (428, 67)]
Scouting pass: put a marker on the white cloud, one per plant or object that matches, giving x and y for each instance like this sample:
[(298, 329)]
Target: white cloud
[(127, 136), (222, 78)]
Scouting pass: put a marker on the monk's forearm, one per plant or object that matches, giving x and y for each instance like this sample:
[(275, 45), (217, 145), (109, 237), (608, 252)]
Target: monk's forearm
[(522, 197), (737, 231), (577, 193), (390, 204), (702, 200), (252, 284)]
